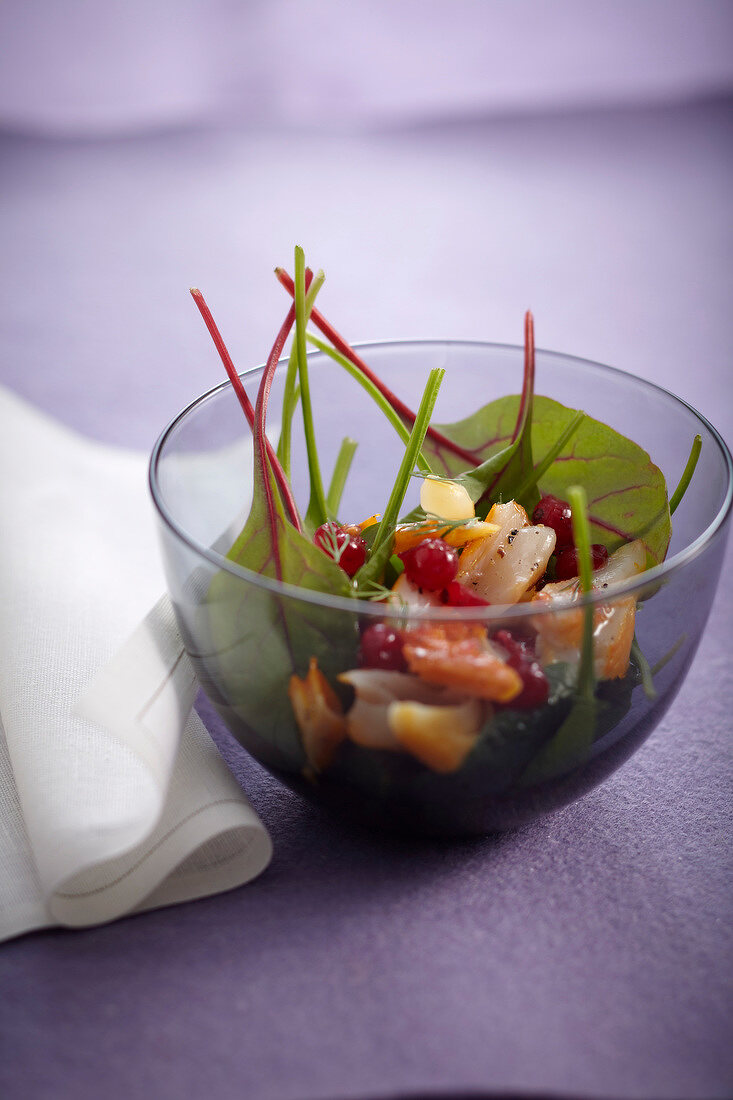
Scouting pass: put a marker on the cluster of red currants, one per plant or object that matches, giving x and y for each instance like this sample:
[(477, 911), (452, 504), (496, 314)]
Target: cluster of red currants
[(345, 545), (555, 513)]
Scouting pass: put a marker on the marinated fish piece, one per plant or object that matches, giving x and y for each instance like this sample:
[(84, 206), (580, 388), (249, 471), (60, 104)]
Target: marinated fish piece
[(319, 715), (559, 636), (459, 655)]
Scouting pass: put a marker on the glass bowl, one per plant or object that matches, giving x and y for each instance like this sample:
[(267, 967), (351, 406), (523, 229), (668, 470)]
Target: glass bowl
[(475, 771)]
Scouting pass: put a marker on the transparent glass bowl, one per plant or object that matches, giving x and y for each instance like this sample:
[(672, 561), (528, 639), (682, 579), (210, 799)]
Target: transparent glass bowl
[(522, 763)]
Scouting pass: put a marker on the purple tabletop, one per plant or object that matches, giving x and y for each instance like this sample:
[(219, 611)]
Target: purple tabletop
[(588, 954)]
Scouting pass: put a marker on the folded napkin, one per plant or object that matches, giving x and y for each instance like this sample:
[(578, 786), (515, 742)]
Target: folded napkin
[(113, 797)]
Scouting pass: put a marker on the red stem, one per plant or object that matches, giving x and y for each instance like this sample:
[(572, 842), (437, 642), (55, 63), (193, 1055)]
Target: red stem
[(528, 379), (244, 401), (527, 390), (399, 406), (260, 439), (263, 397)]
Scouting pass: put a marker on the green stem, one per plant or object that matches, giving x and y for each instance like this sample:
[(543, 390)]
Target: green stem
[(687, 473), (378, 398), (291, 393), (340, 472), (647, 679), (581, 535), (542, 467), (284, 444), (317, 512), (669, 655), (414, 443)]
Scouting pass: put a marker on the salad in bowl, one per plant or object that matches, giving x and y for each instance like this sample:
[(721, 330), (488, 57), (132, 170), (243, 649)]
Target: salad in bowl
[(445, 625)]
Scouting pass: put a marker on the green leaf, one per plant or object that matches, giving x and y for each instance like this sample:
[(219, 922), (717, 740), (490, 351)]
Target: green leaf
[(569, 746), (627, 494), (512, 738), (535, 475), (588, 721), (479, 481), (259, 638)]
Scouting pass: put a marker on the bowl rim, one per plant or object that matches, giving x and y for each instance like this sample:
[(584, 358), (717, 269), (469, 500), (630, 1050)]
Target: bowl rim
[(649, 578)]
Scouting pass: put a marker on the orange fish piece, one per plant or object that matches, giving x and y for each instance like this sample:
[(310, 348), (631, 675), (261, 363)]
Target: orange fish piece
[(408, 535), (460, 655), (319, 715), (560, 635), (440, 737)]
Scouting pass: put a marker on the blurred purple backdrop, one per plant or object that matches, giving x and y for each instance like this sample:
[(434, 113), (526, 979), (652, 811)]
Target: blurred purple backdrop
[(98, 68), (448, 164)]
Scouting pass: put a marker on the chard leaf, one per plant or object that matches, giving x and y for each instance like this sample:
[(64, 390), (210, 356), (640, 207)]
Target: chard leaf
[(587, 723), (568, 747), (478, 482), (512, 738), (537, 472), (627, 494), (373, 570), (259, 638)]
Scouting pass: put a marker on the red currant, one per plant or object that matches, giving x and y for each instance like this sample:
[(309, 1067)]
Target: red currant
[(517, 646), (381, 647), (460, 595), (431, 565), (567, 564), (346, 548), (520, 656), (555, 513), (535, 688)]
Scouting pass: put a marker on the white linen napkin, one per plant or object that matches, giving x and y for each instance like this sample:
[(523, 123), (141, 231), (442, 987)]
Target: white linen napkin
[(113, 797)]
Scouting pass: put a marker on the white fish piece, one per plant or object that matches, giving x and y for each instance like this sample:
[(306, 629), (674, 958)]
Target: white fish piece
[(504, 566), (367, 720), (407, 595)]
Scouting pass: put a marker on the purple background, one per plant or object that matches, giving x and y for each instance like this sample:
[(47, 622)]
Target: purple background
[(588, 954)]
